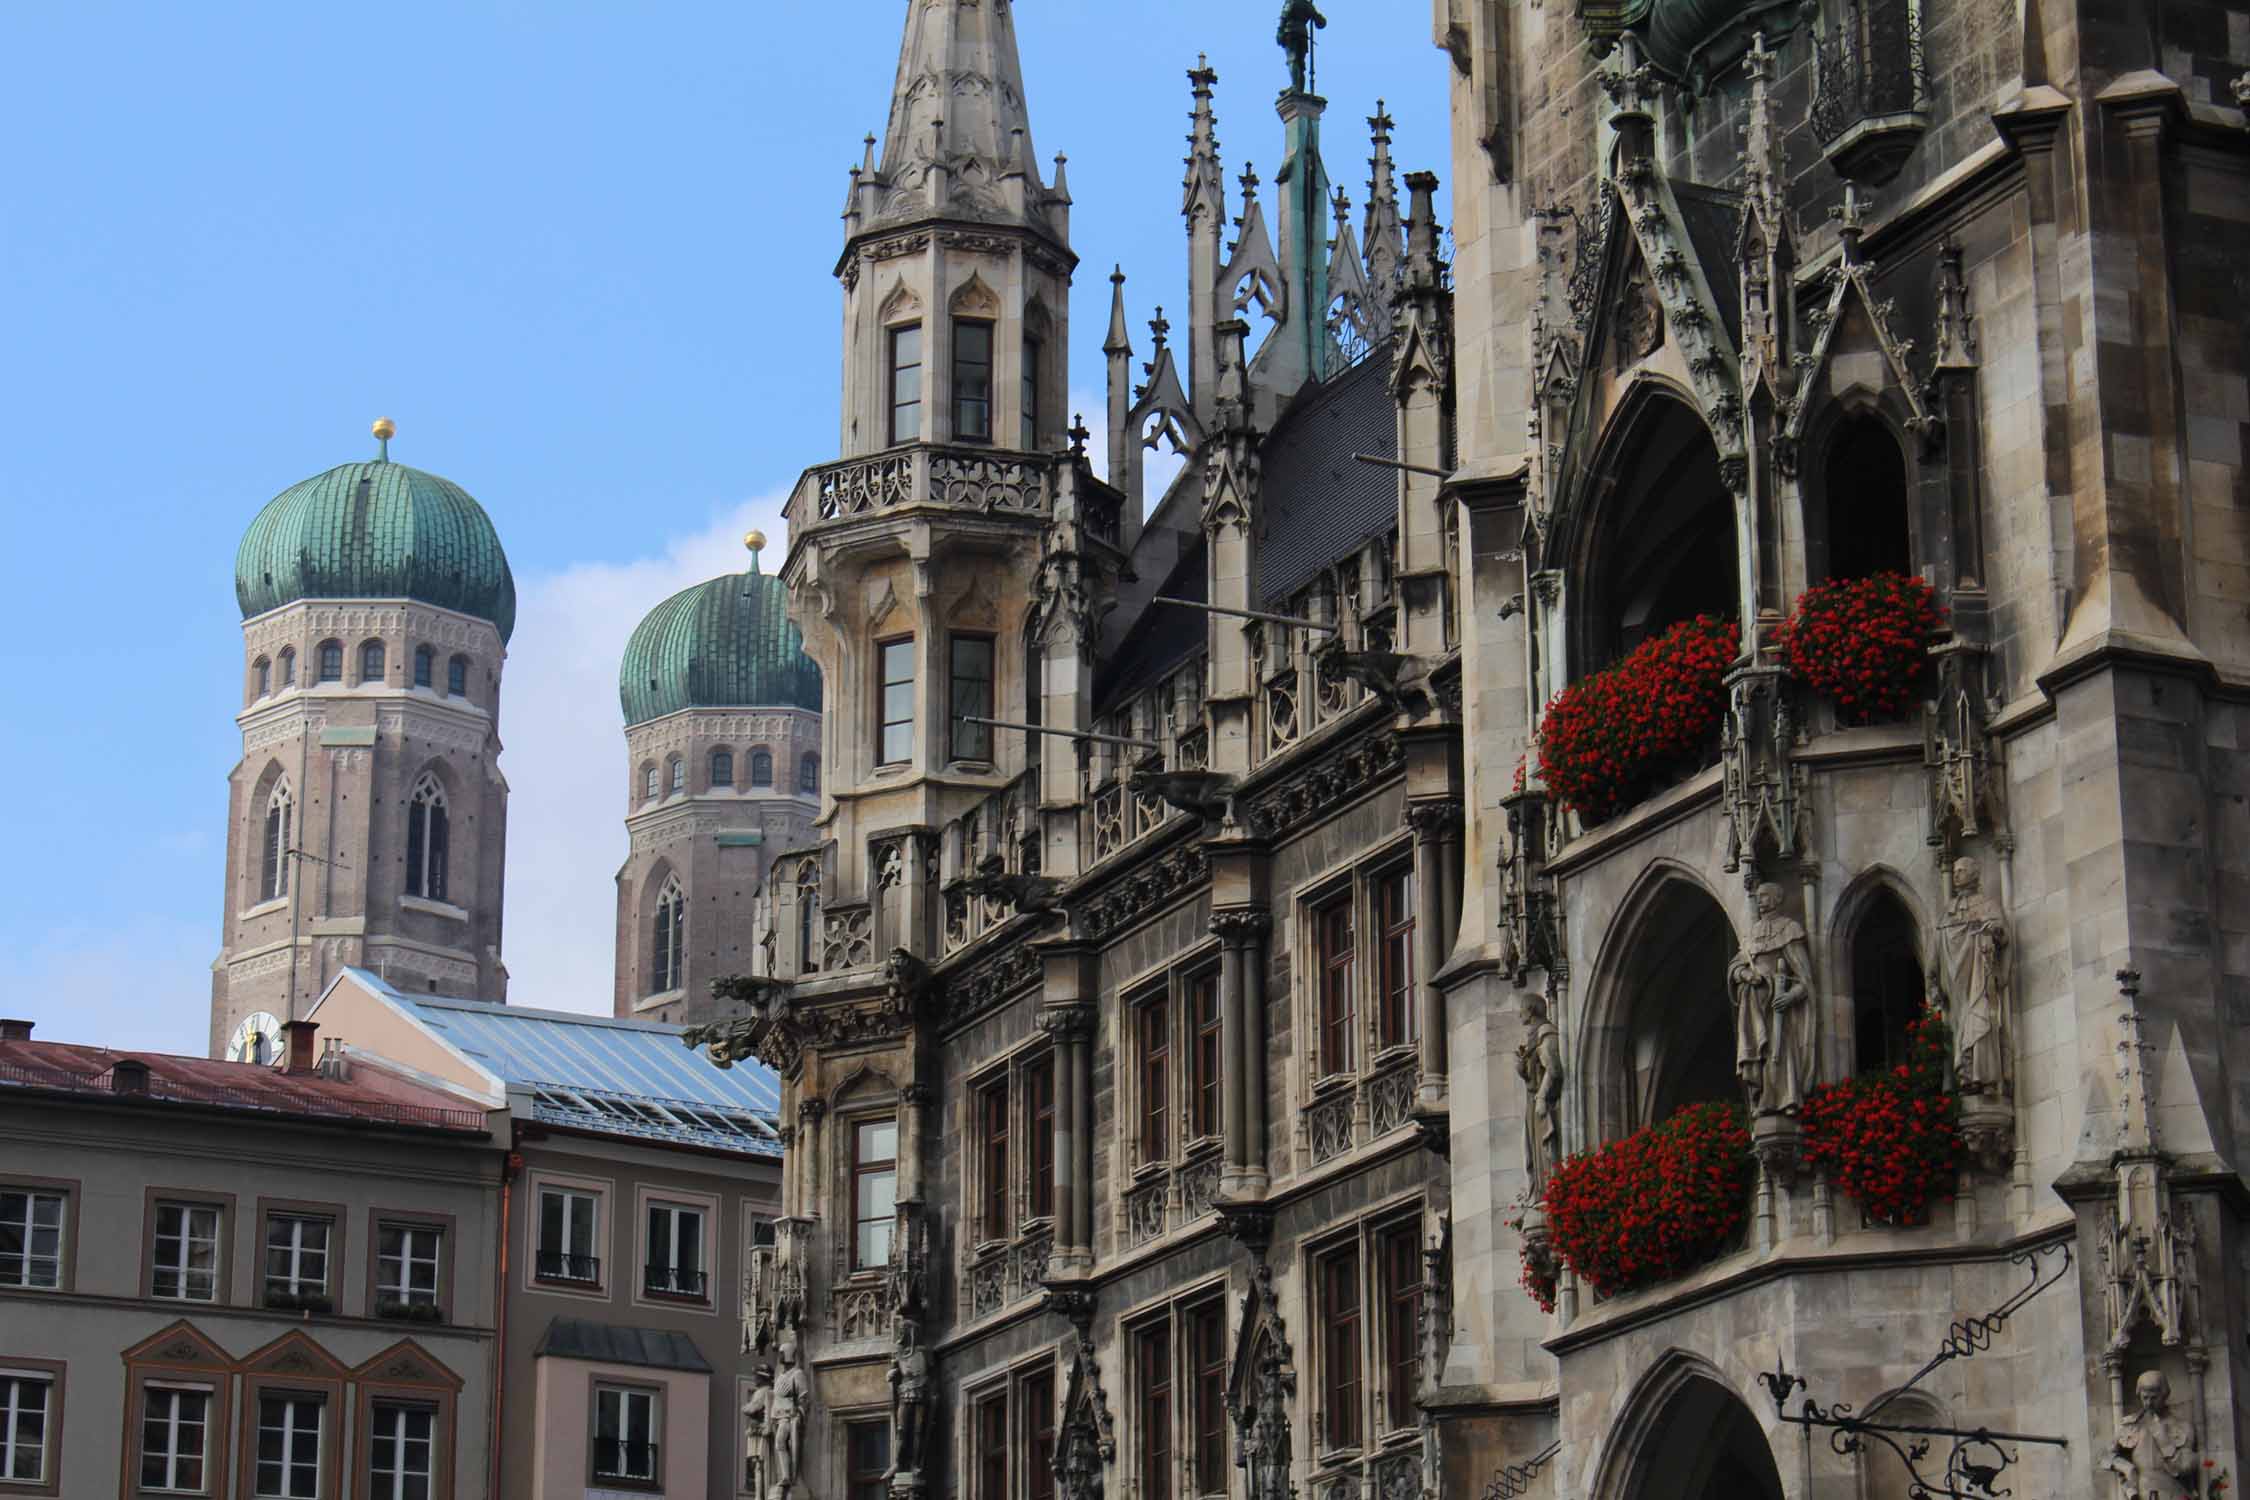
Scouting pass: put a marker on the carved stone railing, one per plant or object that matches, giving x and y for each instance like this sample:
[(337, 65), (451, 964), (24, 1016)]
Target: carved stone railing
[(1199, 1186), (847, 937), (976, 479), (1390, 1097), (1328, 1122), (1006, 823), (1144, 1209), (860, 1311), (1001, 1275)]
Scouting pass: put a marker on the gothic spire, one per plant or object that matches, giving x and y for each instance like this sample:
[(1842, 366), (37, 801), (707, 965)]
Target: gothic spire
[(1204, 186), (958, 123), (1384, 233)]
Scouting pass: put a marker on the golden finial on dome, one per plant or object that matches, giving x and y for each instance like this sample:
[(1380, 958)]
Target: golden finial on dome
[(383, 428), (755, 540)]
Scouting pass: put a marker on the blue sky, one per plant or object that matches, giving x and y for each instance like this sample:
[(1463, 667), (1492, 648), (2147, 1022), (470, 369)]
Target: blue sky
[(582, 254)]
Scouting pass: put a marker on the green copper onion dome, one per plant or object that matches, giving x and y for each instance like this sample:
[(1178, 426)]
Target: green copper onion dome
[(376, 530), (727, 643)]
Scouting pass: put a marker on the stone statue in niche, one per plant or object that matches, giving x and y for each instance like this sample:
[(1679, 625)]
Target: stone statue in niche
[(1976, 980), (1539, 1065), (910, 1391), (792, 1393), (1772, 984), (2154, 1451), (1265, 1449)]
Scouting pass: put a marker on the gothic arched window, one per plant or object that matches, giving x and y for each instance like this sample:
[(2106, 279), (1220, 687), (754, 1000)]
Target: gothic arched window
[(424, 659), (678, 775), (457, 677), (371, 661), (264, 671), (668, 950), (273, 875), (331, 661), (649, 784), (722, 768), (1886, 984), (761, 767), (288, 666), (1868, 530), (426, 840), (808, 917), (808, 776)]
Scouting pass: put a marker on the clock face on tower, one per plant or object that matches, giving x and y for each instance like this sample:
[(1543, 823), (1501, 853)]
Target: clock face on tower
[(256, 1040)]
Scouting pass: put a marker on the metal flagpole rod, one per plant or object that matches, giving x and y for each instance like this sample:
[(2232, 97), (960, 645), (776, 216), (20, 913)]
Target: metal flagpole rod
[(1247, 614), (1392, 463), (1064, 734)]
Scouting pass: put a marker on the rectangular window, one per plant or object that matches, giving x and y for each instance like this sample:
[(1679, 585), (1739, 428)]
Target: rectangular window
[(331, 661), (31, 1231), (1398, 1252), (625, 1434), (1039, 1425), (289, 1436), (989, 1424), (1152, 1348), (422, 666), (1394, 979), (867, 1460), (1332, 971), (174, 1424), (971, 684), (972, 382), (457, 677), (400, 1439), (567, 1220), (406, 1267), (25, 1401), (1337, 1285), (187, 1252), (675, 1252), (1155, 1079), (896, 711), (906, 383), (296, 1257), (992, 1129), (1039, 1079), (874, 1193), (1203, 1056), (1030, 395), (1207, 1396)]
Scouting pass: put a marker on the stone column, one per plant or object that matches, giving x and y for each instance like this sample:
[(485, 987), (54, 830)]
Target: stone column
[(1242, 1084), (1082, 1101), (809, 1112), (1437, 833), (913, 1108), (1234, 1067)]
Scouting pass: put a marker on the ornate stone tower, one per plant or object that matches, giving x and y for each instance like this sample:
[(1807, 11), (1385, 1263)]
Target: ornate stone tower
[(367, 820), (722, 741)]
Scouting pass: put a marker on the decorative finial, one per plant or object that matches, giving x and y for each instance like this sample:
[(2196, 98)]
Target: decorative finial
[(383, 427), (755, 540), (1078, 434)]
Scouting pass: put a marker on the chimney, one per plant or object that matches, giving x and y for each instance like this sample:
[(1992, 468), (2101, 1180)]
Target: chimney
[(332, 1061), (13, 1030), (128, 1075), (299, 1047)]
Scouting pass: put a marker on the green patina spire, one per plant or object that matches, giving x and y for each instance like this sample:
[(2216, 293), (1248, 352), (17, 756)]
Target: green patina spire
[(1304, 188)]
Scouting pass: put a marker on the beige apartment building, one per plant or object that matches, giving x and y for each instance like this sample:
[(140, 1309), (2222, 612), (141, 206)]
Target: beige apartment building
[(222, 1279)]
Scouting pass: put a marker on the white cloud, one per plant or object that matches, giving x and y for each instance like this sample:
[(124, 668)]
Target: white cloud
[(564, 753)]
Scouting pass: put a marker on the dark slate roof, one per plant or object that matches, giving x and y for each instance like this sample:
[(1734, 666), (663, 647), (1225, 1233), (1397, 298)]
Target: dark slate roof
[(1164, 636), (612, 1344), (1714, 221), (1315, 501)]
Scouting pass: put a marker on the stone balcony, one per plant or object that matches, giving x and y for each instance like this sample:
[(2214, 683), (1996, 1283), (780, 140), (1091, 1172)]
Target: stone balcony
[(981, 481)]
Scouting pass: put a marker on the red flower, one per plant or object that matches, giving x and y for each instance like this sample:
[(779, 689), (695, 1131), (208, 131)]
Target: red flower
[(1863, 642), (1890, 1140), (1653, 1205), (1610, 734)]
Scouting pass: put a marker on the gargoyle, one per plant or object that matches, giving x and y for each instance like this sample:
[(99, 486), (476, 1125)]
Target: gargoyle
[(1034, 895), (765, 1000), (906, 982), (1402, 682), (1207, 794)]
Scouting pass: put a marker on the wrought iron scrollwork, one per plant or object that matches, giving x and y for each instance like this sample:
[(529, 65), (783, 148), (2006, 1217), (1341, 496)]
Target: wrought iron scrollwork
[(1977, 1457), (1515, 1479)]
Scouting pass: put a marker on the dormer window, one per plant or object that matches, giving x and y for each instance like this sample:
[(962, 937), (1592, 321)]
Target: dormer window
[(972, 381), (906, 383)]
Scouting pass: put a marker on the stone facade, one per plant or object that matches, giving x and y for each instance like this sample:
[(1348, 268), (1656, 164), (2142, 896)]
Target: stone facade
[(352, 764), (708, 843)]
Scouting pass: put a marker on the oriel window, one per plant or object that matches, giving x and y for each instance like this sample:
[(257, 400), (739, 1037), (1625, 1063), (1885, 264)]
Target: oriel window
[(972, 382), (906, 383), (971, 680), (874, 1192), (896, 736)]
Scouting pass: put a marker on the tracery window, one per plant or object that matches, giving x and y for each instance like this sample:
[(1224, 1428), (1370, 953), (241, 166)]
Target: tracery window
[(273, 877), (668, 939), (427, 840)]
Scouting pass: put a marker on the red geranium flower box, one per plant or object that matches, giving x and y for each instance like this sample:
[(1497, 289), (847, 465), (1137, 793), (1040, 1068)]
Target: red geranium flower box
[(1611, 734), (1654, 1205), (1863, 643), (1890, 1141)]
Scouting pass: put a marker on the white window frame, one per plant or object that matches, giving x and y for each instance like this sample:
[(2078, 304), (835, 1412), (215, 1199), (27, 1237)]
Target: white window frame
[(18, 1269), (296, 1283), (14, 1386), (184, 1240), (293, 1437), (393, 1485), (674, 1213), (411, 1238), (624, 1397), (172, 1429), (593, 1212)]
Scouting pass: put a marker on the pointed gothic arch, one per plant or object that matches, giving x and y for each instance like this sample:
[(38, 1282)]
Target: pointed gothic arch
[(1262, 1390), (1654, 537), (1879, 957), (1658, 1033), (1860, 488), (277, 813), (429, 839), (667, 951), (1686, 1434)]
